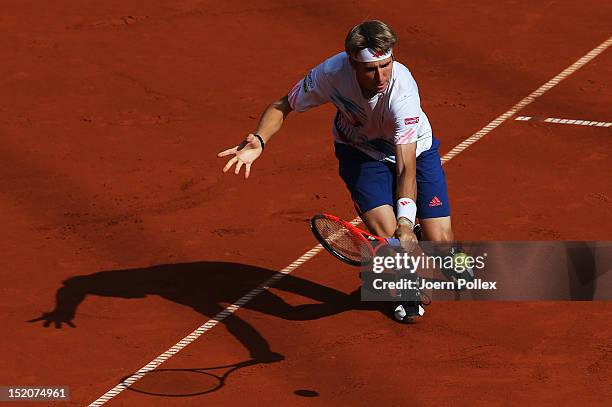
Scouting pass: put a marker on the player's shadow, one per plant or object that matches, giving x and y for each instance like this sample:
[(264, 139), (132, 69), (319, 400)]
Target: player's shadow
[(205, 287)]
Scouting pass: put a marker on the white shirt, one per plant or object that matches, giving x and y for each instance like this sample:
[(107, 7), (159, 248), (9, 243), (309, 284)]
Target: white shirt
[(374, 126)]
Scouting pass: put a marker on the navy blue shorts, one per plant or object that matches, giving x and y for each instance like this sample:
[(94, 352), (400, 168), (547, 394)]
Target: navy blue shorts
[(372, 183)]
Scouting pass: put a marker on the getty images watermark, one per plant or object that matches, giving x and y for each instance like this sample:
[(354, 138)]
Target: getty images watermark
[(411, 273), (492, 271)]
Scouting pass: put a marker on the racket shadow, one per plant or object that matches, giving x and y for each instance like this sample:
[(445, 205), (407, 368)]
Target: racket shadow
[(186, 382)]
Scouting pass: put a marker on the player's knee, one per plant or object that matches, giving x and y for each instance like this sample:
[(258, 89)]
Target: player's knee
[(380, 221), (440, 234), (383, 227), (381, 230), (386, 230)]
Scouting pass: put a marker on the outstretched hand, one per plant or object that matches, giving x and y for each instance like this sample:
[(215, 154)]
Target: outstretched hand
[(244, 153), (55, 317)]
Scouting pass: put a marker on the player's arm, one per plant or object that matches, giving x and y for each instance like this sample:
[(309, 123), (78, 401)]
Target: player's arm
[(273, 117), (406, 113), (313, 90), (405, 157), (252, 146)]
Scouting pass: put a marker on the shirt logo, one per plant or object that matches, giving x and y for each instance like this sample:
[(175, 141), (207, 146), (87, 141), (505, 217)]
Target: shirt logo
[(411, 120), (308, 83)]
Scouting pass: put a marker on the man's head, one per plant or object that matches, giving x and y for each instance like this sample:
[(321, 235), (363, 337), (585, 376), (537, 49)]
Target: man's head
[(369, 46)]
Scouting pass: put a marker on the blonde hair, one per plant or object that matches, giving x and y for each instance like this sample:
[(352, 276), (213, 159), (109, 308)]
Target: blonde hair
[(373, 34)]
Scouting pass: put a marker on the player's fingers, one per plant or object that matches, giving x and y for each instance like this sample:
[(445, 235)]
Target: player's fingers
[(238, 167), (228, 152), (230, 163), (247, 170)]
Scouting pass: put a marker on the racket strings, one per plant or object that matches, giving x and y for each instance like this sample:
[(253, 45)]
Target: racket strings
[(344, 240)]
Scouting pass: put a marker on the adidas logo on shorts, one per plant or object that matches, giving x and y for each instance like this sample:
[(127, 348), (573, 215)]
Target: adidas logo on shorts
[(435, 202)]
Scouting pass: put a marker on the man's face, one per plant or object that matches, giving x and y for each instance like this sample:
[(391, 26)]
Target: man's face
[(373, 77)]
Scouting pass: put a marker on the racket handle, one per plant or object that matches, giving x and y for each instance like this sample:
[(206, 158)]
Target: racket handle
[(393, 242)]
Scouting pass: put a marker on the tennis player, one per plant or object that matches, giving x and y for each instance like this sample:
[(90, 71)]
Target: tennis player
[(388, 156)]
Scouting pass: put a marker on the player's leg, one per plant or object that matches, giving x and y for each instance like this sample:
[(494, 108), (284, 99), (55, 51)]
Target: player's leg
[(407, 305), (433, 205), (437, 229), (370, 183), (380, 220), (433, 209)]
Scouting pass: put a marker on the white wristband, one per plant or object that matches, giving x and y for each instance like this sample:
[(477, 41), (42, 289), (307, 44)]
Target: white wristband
[(406, 208)]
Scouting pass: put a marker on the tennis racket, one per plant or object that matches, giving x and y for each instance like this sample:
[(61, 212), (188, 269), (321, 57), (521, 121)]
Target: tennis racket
[(347, 242)]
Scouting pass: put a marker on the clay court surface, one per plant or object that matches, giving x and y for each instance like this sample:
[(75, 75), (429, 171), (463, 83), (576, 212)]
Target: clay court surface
[(111, 116)]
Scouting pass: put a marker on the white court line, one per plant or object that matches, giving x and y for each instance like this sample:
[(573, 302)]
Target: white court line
[(564, 121), (313, 252), (527, 100)]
